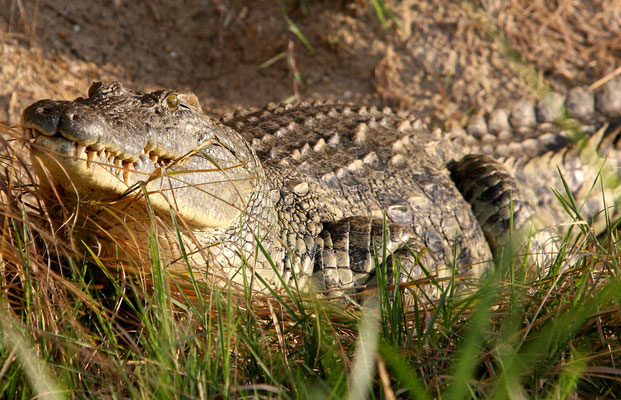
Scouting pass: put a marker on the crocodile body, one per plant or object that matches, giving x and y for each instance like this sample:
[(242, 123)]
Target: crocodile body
[(313, 182)]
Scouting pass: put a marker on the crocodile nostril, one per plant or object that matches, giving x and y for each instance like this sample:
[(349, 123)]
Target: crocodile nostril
[(75, 117), (45, 110)]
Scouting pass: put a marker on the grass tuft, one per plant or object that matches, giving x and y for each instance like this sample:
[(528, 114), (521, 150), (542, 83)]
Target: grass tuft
[(76, 324)]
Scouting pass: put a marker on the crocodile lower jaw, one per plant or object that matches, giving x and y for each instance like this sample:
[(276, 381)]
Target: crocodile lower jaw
[(110, 172), (100, 177)]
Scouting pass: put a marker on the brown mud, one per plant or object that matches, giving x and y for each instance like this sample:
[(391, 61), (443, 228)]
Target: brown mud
[(446, 59)]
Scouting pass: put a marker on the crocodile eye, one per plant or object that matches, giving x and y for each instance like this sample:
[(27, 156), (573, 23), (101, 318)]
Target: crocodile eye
[(172, 101), (93, 88)]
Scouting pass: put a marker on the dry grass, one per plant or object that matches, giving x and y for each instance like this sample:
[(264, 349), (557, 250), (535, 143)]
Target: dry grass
[(119, 335), (116, 335), (565, 38)]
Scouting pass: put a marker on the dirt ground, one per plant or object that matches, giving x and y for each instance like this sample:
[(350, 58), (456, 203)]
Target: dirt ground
[(444, 59)]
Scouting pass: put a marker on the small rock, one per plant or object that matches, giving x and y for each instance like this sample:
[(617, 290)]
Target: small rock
[(580, 102), (477, 126), (608, 99), (499, 121), (551, 107), (523, 115)]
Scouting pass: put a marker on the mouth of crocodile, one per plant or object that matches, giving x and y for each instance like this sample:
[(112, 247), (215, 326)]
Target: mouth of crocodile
[(99, 174), (124, 168)]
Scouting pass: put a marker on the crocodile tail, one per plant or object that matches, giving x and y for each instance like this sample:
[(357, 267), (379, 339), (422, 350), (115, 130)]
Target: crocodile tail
[(528, 130), (583, 178), (579, 172), (561, 146)]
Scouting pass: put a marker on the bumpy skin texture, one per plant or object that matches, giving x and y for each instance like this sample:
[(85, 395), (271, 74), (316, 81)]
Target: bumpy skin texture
[(313, 182)]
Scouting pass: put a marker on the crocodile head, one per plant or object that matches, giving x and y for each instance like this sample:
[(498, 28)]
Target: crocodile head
[(101, 147)]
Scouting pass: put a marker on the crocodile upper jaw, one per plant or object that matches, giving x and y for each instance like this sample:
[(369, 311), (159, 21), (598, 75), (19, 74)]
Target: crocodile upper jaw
[(192, 165)]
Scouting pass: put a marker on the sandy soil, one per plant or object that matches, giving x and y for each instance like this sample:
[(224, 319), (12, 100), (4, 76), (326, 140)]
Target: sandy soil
[(445, 59)]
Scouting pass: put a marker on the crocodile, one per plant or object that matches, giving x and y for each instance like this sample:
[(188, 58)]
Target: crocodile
[(308, 194)]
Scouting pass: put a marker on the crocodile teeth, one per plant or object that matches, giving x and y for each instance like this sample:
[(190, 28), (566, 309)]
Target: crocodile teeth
[(89, 157), (80, 150), (28, 135)]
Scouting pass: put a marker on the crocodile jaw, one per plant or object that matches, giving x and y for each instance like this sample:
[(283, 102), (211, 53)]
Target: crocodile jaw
[(108, 146), (76, 169), (200, 193)]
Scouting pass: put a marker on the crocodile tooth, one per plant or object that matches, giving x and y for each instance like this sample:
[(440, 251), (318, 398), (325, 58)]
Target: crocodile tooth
[(126, 176), (154, 158), (89, 157), (118, 162), (101, 151), (80, 149)]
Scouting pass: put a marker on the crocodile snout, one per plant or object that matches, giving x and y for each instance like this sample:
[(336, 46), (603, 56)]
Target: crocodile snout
[(44, 116), (73, 121)]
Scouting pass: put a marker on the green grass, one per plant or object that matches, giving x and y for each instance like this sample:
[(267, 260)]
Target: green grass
[(75, 326)]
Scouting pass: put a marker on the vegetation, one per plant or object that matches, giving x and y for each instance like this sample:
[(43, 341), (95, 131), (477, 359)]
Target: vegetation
[(69, 331), (73, 325)]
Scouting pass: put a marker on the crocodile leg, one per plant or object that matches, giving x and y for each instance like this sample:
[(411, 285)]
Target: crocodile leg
[(347, 250), (493, 195), (501, 209)]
